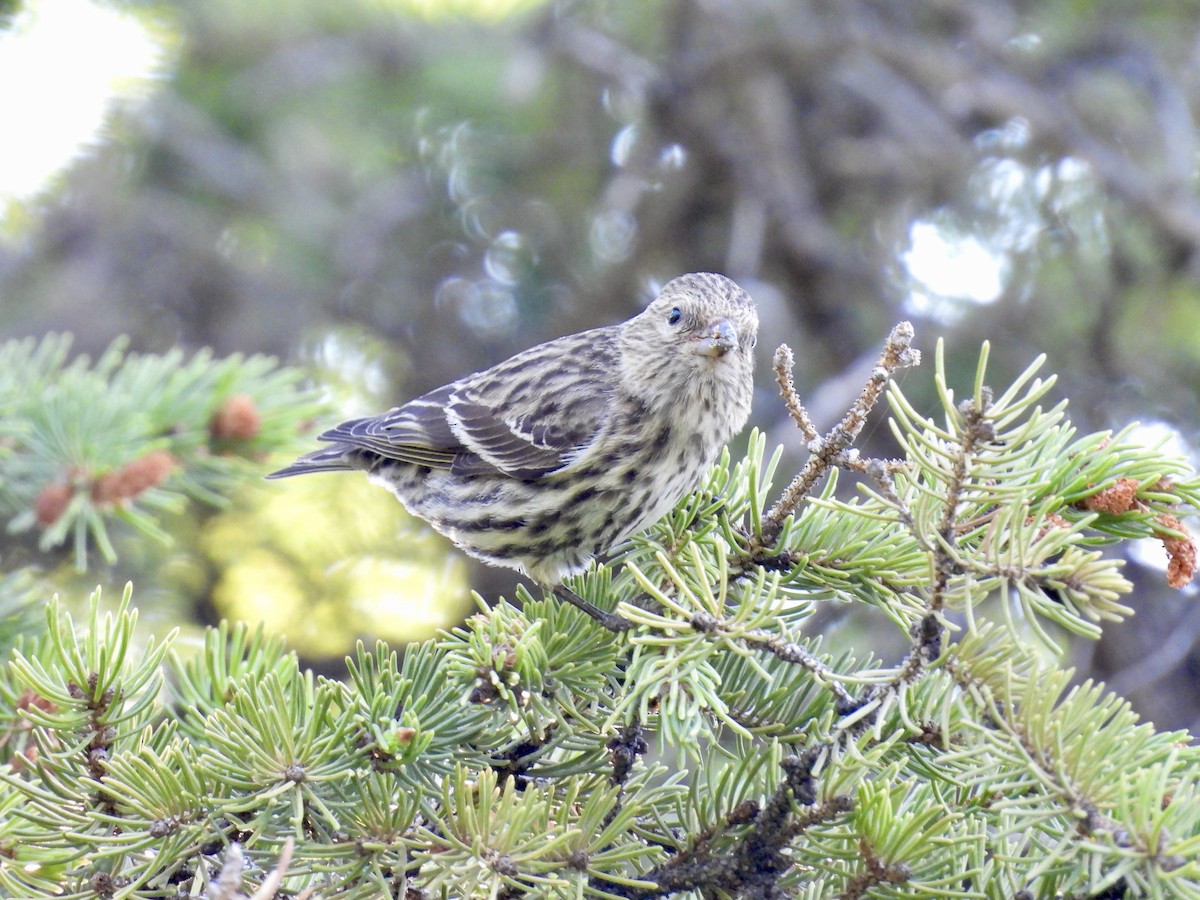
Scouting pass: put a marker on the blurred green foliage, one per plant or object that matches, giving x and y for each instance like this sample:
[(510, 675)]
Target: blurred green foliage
[(330, 561)]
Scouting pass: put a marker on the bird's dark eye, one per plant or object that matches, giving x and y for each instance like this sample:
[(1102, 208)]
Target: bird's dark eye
[(754, 342), (674, 316)]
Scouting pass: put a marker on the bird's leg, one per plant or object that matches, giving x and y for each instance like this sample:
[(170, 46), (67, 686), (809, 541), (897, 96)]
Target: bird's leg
[(611, 621)]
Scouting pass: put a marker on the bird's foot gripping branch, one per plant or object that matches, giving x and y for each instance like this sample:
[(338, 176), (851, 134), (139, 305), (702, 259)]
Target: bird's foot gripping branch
[(715, 745)]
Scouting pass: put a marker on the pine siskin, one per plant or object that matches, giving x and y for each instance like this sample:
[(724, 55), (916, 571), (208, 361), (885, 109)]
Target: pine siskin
[(566, 449)]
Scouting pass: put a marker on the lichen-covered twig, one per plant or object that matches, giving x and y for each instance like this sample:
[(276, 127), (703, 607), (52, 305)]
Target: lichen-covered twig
[(758, 856), (835, 448), (785, 362)]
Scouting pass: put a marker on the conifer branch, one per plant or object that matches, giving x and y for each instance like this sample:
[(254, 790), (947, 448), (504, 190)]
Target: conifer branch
[(757, 859), (785, 363), (513, 756), (1054, 772), (126, 437), (928, 633), (777, 646), (834, 449), (877, 873)]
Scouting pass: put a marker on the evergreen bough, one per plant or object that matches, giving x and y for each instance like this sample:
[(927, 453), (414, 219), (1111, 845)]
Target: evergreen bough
[(129, 436), (713, 750)]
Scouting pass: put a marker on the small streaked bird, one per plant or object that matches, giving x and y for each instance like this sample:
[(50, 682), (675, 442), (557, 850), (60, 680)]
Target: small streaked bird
[(559, 453)]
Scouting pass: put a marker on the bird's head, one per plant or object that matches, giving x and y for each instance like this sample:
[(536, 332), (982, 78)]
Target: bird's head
[(702, 314), (700, 326)]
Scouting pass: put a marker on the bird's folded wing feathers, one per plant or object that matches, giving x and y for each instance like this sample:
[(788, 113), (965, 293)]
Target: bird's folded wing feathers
[(533, 414), (526, 445), (416, 432), (479, 425)]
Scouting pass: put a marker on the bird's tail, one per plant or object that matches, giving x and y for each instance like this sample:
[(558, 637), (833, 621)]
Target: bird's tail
[(328, 459)]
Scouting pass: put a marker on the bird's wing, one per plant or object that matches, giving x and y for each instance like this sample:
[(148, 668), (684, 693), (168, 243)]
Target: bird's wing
[(525, 445), (522, 417), (416, 432), (532, 414)]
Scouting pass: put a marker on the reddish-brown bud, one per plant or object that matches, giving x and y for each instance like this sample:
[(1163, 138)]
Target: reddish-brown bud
[(131, 479), (237, 419), (1181, 551), (1120, 498), (52, 502)]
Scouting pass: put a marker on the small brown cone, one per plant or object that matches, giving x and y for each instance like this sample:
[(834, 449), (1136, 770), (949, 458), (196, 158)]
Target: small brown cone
[(52, 502), (131, 479), (237, 419)]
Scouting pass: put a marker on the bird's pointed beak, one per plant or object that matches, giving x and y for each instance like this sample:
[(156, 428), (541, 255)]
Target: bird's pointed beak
[(718, 339)]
